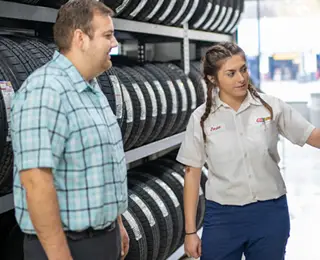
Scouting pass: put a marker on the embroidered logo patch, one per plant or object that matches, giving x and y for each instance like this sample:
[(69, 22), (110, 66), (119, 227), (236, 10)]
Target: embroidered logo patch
[(263, 119), (215, 128)]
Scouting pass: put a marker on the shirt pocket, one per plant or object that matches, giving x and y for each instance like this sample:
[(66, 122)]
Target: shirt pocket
[(220, 145), (262, 136)]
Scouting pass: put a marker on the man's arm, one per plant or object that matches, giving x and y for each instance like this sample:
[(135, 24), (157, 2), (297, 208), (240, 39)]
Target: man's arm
[(44, 212), (314, 138)]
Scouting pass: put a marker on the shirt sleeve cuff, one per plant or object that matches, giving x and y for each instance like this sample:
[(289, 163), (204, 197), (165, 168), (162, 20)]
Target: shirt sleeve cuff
[(306, 135), (189, 162)]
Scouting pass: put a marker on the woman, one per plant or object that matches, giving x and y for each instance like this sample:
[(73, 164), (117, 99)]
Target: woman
[(236, 133)]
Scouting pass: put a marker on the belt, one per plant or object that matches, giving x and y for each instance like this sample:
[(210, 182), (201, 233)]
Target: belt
[(88, 233)]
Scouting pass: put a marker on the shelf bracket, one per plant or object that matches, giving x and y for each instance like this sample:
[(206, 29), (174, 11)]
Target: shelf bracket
[(141, 52), (185, 49)]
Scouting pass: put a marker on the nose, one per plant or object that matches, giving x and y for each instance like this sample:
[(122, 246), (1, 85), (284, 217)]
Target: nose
[(240, 77), (114, 42)]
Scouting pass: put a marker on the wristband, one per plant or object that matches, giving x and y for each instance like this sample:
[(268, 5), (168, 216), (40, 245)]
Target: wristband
[(195, 232)]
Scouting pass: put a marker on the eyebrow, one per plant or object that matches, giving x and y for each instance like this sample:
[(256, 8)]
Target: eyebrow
[(232, 70), (109, 31)]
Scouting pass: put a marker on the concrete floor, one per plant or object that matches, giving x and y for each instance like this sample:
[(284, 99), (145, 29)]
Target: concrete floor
[(301, 171)]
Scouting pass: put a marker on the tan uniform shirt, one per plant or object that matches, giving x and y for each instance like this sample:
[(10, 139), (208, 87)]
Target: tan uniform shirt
[(241, 148)]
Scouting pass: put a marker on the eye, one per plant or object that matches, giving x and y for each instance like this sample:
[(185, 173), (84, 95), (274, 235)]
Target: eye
[(244, 69), (230, 74)]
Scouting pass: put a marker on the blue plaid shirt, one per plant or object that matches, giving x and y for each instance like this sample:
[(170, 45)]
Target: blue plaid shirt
[(62, 122)]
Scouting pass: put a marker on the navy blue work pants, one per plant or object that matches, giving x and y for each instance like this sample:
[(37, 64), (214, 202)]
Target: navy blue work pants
[(259, 230)]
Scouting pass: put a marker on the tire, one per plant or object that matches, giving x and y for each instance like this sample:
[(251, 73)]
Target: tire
[(181, 95), (148, 221), (19, 61), (39, 51), (200, 14), (220, 17), (199, 84), (139, 106), (171, 97), (133, 9), (118, 6), (149, 10), (163, 12), (214, 13), (128, 115), (190, 91), (151, 105), (176, 13), (238, 15), (138, 241), (160, 210), (179, 168), (168, 196), (230, 5), (186, 14), (161, 102), (6, 153), (111, 88)]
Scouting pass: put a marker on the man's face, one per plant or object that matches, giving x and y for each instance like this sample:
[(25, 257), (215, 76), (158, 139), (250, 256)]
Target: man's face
[(100, 45)]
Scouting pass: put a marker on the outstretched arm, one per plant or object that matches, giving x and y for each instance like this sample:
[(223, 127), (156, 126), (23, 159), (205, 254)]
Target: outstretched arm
[(314, 138)]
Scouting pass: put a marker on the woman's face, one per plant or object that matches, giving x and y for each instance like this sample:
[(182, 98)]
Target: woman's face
[(233, 77)]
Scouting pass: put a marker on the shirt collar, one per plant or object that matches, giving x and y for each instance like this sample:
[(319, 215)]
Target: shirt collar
[(78, 82), (249, 100)]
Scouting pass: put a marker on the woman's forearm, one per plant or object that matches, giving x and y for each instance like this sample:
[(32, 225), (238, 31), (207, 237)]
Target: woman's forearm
[(191, 197)]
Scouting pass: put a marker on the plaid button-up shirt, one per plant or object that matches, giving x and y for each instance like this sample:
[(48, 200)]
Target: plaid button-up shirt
[(60, 121)]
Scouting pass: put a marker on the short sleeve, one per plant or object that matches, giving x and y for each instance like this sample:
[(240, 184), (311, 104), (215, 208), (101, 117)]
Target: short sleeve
[(292, 125), (38, 128), (192, 150)]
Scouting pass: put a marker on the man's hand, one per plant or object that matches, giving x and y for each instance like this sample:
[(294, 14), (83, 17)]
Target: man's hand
[(124, 239)]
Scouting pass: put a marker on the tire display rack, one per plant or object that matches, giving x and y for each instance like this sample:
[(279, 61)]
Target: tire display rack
[(217, 23)]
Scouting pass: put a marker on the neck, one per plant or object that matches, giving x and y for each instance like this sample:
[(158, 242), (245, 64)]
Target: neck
[(233, 102), (81, 65)]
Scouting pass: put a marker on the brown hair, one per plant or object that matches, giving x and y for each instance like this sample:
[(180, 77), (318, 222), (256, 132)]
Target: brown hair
[(212, 62), (76, 14)]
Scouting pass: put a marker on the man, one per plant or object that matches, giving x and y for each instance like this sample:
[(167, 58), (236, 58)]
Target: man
[(70, 182)]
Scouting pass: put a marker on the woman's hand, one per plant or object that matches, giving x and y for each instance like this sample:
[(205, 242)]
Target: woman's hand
[(192, 246)]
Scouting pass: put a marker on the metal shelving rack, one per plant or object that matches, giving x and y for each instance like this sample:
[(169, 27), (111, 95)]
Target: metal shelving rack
[(17, 13)]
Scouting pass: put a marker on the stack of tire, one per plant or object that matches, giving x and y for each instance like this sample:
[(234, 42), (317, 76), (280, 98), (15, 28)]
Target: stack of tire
[(151, 101), (154, 219), (221, 16)]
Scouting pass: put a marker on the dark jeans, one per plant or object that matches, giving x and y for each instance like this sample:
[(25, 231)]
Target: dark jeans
[(259, 230), (98, 245)]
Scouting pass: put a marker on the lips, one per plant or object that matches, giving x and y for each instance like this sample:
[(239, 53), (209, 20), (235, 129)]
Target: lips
[(242, 86)]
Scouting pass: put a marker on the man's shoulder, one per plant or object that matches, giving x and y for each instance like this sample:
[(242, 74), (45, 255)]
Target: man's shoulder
[(48, 77)]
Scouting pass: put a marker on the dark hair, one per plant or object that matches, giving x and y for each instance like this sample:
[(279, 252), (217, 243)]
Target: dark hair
[(212, 62), (76, 14)]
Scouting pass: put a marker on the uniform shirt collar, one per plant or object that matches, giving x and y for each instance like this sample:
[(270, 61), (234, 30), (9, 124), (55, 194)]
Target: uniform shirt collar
[(78, 82), (249, 100)]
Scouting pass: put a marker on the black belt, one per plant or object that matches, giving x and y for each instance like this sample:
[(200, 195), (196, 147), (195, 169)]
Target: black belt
[(88, 233)]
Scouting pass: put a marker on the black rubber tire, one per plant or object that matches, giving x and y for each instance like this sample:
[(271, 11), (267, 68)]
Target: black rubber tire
[(175, 12), (179, 168), (151, 105), (239, 14), (149, 222), (28, 2), (185, 15), (161, 102), (6, 155), (221, 15), (190, 91), (181, 95), (118, 6), (160, 210), (138, 241), (171, 200), (171, 97), (201, 14), (199, 84), (228, 16), (128, 114), (19, 60), (148, 10), (110, 86), (139, 106), (213, 15), (166, 174), (163, 12), (133, 9)]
